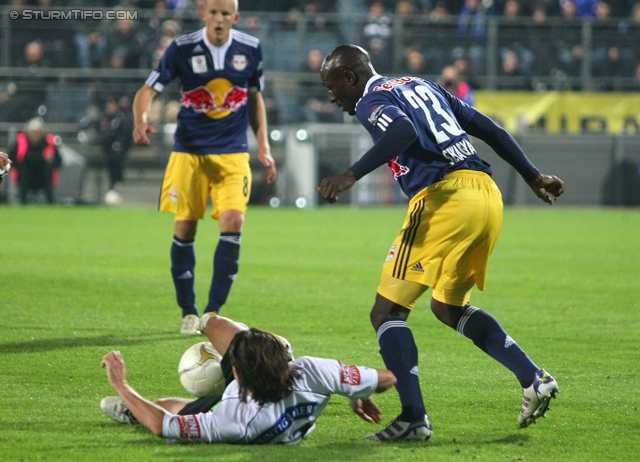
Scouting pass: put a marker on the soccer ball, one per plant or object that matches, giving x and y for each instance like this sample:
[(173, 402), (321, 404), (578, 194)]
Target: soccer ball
[(113, 198), (200, 370)]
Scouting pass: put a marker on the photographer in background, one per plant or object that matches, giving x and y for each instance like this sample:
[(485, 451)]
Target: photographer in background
[(450, 80), (35, 160)]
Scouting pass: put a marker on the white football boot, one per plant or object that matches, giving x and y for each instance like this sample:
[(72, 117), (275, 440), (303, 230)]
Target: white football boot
[(536, 398), (190, 325), (114, 408)]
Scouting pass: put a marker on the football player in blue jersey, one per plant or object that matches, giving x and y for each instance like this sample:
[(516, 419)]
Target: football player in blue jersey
[(220, 72), (454, 219)]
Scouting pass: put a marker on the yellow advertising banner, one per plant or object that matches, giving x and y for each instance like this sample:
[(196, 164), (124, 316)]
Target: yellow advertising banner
[(556, 112)]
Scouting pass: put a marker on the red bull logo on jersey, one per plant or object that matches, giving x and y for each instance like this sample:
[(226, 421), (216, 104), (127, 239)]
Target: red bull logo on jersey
[(217, 99), (391, 254), (239, 62), (388, 85), (397, 169)]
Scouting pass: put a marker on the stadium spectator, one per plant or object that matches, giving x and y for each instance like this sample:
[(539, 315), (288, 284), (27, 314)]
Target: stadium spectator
[(584, 9), (90, 47), (450, 81), (462, 66), (431, 38), (453, 222), (270, 398), (607, 58), (405, 9), (568, 41), (4, 162), (568, 9), (35, 161), (472, 34), (377, 36), (114, 133), (414, 63), (539, 35), (220, 98), (511, 35), (56, 37), (439, 12), (629, 30), (314, 104), (169, 30), (25, 96), (513, 77), (114, 86), (127, 43)]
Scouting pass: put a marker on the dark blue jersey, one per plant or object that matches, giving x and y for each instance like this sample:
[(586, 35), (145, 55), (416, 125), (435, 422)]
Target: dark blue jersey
[(442, 145), (213, 117)]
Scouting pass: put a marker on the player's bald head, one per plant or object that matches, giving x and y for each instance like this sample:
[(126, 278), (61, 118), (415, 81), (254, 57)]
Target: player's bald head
[(348, 58)]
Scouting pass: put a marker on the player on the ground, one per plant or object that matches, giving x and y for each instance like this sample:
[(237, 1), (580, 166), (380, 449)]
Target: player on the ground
[(273, 399), (453, 222), (220, 72)]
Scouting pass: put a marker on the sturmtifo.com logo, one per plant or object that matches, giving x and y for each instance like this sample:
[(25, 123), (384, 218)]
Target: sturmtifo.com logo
[(46, 15)]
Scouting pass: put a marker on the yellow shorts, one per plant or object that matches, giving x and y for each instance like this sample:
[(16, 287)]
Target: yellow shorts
[(190, 179), (445, 241)]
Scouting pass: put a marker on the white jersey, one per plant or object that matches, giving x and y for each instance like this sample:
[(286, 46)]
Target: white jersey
[(287, 421)]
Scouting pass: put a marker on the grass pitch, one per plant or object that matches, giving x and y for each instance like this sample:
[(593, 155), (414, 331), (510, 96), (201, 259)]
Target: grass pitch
[(78, 282)]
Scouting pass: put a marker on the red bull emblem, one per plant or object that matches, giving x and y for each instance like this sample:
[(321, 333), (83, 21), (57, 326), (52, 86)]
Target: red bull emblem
[(217, 99), (239, 62), (397, 169), (200, 99), (391, 254), (234, 99)]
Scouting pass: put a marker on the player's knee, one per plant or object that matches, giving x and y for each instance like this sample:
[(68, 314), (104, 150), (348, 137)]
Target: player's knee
[(231, 221), (447, 314), (383, 309), (185, 229)]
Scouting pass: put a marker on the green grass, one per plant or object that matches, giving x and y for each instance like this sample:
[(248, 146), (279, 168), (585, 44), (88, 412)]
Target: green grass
[(77, 282)]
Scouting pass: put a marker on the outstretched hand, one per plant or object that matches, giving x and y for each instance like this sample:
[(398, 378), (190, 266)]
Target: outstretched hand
[(367, 409), (116, 370), (333, 185), (547, 187)]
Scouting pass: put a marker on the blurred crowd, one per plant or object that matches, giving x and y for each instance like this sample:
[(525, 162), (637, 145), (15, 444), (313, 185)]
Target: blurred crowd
[(446, 38)]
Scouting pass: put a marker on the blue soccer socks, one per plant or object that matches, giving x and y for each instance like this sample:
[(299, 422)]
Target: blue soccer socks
[(400, 354), (225, 269), (488, 335), (183, 263)]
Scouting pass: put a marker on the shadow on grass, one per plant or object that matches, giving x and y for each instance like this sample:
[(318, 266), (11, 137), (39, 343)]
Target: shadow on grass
[(40, 345), (307, 450), (518, 438), (304, 452)]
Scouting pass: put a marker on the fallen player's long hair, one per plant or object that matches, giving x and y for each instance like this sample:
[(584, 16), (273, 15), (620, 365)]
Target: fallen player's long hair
[(262, 364)]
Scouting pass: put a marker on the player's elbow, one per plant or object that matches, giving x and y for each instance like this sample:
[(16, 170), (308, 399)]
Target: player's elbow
[(386, 380)]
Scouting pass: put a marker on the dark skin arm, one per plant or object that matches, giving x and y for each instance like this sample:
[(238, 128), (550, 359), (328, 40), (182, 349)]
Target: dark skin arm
[(333, 185), (547, 187)]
